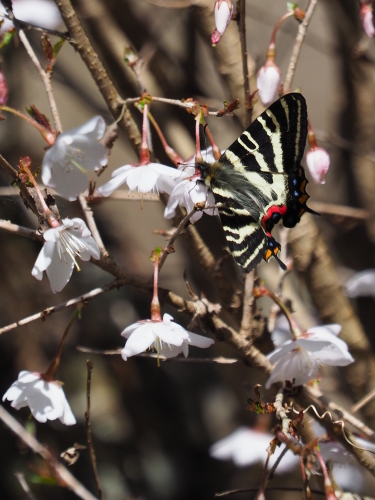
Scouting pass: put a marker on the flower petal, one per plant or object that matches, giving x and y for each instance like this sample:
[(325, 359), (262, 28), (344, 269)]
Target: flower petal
[(59, 271), (139, 341)]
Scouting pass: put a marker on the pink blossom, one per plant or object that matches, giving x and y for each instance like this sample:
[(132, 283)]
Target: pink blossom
[(223, 13), (268, 81), (367, 19), (318, 161), (3, 89)]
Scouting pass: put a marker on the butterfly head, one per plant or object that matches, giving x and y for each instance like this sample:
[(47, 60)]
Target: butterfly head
[(209, 171)]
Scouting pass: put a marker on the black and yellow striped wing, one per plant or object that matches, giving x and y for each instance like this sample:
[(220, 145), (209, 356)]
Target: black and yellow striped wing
[(259, 181)]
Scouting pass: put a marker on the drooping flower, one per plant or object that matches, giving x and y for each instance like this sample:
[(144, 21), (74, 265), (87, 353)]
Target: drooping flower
[(46, 400), (165, 336), (362, 284), (268, 81), (62, 247), (142, 178), (318, 161), (246, 446), (74, 153), (301, 359), (223, 11), (41, 13), (367, 19), (188, 192)]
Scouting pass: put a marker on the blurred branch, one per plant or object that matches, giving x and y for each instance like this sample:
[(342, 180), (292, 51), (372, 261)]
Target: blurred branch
[(116, 352), (21, 479), (245, 69), (247, 304), (90, 366), (114, 101), (313, 260), (9, 227), (302, 30), (273, 488), (63, 474)]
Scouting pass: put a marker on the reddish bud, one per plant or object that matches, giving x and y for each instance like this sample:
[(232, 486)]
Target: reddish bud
[(47, 133), (47, 51), (3, 89), (367, 20)]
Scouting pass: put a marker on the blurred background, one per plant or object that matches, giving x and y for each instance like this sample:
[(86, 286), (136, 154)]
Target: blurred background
[(152, 427)]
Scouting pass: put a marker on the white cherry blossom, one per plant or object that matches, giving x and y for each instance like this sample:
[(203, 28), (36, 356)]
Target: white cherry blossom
[(301, 359), (74, 153), (142, 178), (188, 192), (246, 446), (46, 400), (166, 337), (62, 247), (361, 284), (43, 13)]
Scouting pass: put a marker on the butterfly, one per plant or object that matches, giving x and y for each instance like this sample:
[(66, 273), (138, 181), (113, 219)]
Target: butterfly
[(259, 181)]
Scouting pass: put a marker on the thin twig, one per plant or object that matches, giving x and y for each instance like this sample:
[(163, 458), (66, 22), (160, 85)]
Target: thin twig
[(9, 227), (92, 225), (362, 402), (46, 79), (72, 302), (248, 301), (90, 366), (175, 235), (339, 210), (115, 352), (274, 488), (63, 474), (26, 488), (245, 69), (298, 44), (276, 464), (8, 167)]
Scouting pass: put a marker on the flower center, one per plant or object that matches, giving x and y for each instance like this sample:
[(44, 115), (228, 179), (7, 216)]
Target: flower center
[(73, 156), (69, 244)]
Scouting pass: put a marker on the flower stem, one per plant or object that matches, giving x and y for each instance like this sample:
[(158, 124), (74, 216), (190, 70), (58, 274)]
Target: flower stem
[(177, 160), (50, 374), (145, 155), (51, 218), (330, 492), (155, 305), (47, 136), (311, 137), (215, 149), (276, 28), (198, 154), (263, 291)]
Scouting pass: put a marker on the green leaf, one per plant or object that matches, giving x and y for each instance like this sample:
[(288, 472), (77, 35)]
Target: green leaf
[(57, 47)]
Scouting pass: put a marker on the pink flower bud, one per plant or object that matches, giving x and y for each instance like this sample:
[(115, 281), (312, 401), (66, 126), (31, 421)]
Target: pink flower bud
[(223, 14), (268, 81), (318, 161), (367, 19), (3, 89)]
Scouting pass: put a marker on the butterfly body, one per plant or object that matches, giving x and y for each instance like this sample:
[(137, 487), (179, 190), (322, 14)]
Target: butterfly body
[(258, 181)]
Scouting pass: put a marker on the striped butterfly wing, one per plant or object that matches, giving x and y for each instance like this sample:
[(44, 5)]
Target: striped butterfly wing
[(261, 181)]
